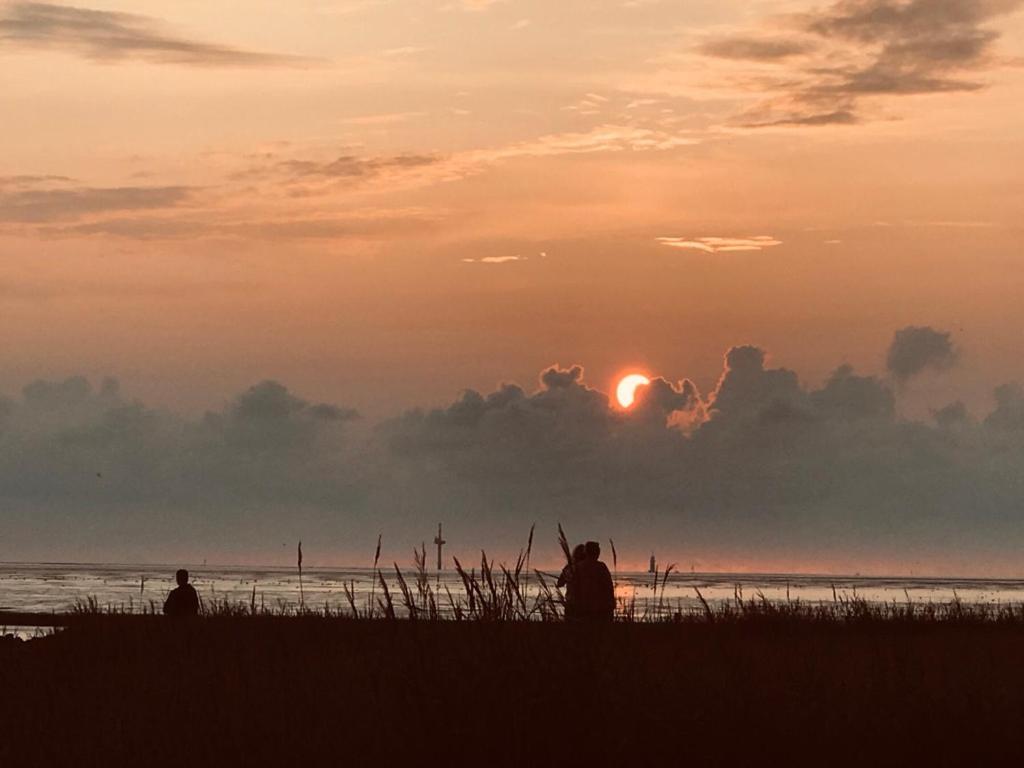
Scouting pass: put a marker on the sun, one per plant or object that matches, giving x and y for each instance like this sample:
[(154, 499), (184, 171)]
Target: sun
[(625, 392)]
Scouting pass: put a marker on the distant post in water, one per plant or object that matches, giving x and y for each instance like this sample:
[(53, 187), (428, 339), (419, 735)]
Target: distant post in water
[(440, 542), (653, 568)]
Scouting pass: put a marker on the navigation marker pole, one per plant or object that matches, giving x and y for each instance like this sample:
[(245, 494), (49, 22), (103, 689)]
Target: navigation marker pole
[(302, 594), (440, 542)]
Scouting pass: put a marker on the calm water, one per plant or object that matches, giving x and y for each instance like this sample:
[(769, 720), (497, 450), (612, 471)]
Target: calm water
[(57, 587)]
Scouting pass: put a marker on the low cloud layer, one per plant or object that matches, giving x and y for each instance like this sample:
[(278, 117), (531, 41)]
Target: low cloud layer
[(107, 36), (762, 465)]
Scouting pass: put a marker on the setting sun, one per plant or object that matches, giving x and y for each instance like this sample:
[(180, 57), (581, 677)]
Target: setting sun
[(625, 392)]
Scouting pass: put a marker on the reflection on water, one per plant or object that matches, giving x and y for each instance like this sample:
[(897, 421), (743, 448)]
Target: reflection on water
[(49, 587)]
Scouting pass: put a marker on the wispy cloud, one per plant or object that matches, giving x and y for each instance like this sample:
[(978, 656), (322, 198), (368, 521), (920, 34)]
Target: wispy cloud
[(403, 51), (109, 36), (829, 62), (352, 166), (34, 205), (470, 5), (721, 244), (603, 138), (341, 167), (756, 48), (384, 118), (496, 259), (28, 180), (368, 225)]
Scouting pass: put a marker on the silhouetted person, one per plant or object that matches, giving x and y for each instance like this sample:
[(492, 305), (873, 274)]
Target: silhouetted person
[(595, 593), (183, 600), (567, 579)]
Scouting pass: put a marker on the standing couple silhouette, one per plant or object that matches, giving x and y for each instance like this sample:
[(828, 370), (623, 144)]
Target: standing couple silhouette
[(589, 592)]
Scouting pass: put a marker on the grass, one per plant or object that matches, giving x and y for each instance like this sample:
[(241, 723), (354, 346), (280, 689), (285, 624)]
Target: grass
[(753, 683), (497, 595), (503, 593)]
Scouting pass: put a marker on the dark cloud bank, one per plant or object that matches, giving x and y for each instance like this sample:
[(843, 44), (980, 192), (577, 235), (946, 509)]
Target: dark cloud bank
[(761, 469)]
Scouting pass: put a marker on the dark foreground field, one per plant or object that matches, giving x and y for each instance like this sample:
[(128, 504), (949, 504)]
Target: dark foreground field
[(312, 691)]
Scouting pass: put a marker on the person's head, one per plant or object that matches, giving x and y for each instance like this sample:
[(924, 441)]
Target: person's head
[(578, 553), (182, 577), (593, 550)]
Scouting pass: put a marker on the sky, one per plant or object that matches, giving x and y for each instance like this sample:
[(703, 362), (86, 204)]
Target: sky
[(253, 257)]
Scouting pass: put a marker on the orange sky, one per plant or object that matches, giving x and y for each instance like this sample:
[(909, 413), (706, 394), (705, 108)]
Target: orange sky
[(231, 248), (383, 202), (307, 191)]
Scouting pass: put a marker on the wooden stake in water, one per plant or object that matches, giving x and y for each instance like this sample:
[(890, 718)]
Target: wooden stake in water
[(302, 594)]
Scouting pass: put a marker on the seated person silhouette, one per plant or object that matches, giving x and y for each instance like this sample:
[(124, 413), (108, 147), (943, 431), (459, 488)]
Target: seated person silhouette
[(595, 593), (183, 600)]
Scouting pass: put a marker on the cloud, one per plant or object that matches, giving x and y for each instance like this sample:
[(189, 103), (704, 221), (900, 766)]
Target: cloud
[(952, 415), (602, 138), (385, 118), (473, 6), (1009, 410), (136, 228), (837, 117), (660, 399), (267, 198), (853, 50), (367, 225), (848, 396), (496, 259), (108, 36), (31, 181), (279, 184), (766, 459), (757, 48), (721, 244), (352, 166), (32, 204), (762, 465), (96, 445), (402, 51), (315, 176), (747, 387), (915, 349)]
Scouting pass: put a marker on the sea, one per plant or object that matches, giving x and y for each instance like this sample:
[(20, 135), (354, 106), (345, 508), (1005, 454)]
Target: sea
[(59, 587)]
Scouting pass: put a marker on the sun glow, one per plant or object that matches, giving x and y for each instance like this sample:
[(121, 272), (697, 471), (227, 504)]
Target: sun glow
[(625, 392)]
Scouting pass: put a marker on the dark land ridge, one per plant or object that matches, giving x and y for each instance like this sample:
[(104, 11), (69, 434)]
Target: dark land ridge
[(755, 684)]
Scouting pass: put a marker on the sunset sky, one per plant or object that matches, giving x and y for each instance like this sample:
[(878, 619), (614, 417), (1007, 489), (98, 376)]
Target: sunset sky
[(380, 204)]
